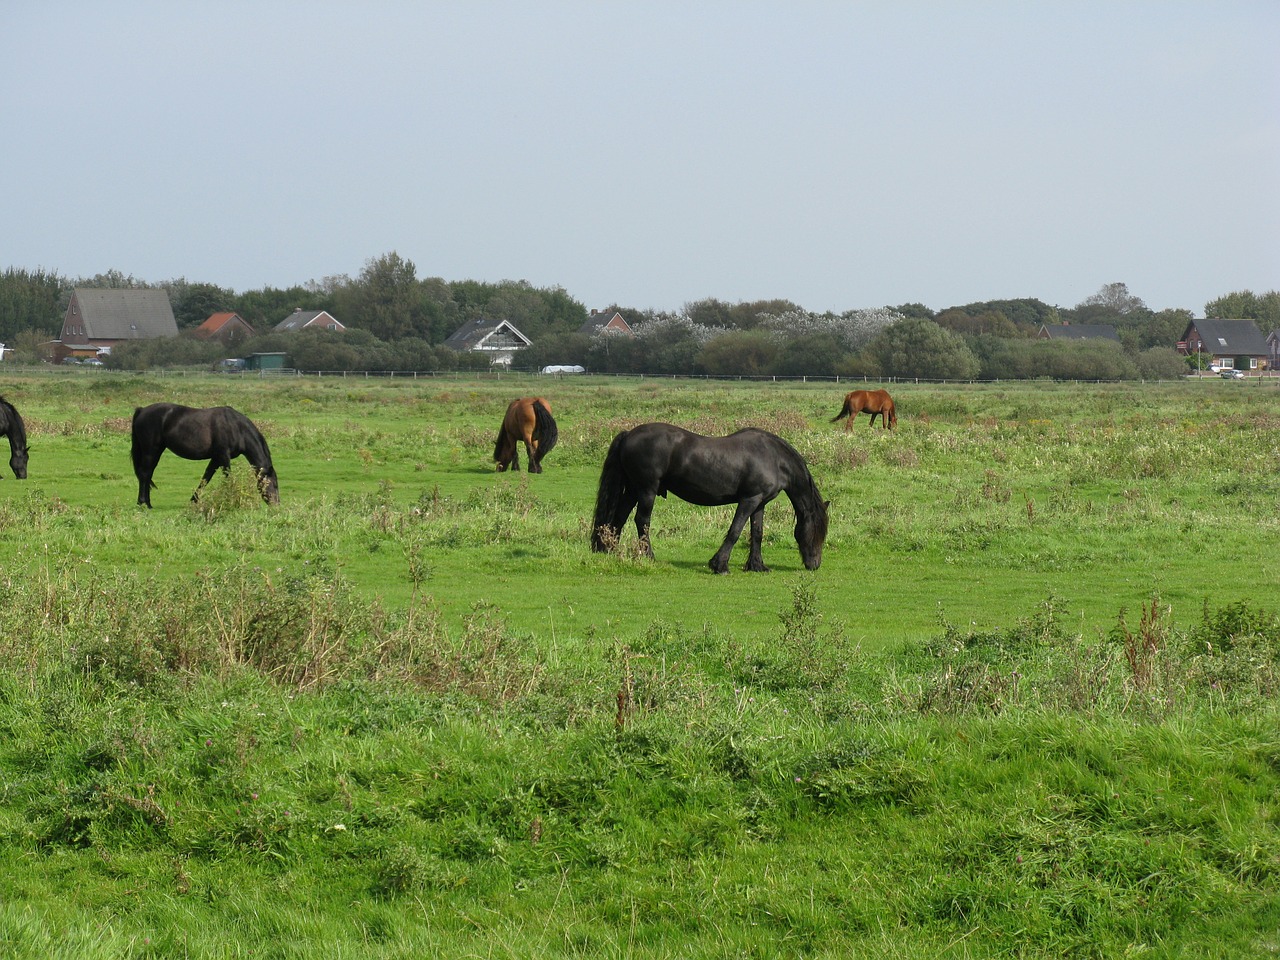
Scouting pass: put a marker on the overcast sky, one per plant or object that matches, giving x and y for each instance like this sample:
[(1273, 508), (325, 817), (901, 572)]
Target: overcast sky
[(837, 154)]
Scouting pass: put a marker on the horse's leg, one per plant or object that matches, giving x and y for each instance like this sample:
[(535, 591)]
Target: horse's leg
[(531, 448), (145, 469), (644, 511), (848, 424), (755, 562), (719, 563), (215, 464)]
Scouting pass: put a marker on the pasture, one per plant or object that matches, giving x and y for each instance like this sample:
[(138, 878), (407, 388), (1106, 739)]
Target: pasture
[(986, 502), (408, 711)]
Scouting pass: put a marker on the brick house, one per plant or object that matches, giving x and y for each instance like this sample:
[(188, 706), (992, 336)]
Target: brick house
[(99, 318), (227, 327), (1231, 344)]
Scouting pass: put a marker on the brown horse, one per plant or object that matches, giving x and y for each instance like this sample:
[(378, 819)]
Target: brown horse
[(868, 401), (528, 421)]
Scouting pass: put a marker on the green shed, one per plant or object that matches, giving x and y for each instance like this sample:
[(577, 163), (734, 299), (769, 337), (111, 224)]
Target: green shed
[(264, 361)]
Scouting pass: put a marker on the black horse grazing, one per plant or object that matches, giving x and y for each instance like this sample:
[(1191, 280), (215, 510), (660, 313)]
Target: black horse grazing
[(219, 433), (748, 468), (11, 426)]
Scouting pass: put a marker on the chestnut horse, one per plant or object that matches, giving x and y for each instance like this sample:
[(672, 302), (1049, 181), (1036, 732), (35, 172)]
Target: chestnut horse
[(868, 401), (528, 421)]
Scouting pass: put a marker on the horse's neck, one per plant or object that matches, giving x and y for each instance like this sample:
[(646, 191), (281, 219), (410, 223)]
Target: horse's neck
[(256, 452), (11, 427), (803, 494)]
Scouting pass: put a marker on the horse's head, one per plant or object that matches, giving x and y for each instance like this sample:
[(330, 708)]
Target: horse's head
[(18, 461), (811, 532), (268, 486)]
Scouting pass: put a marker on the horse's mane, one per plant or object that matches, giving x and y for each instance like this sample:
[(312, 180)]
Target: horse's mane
[(252, 440)]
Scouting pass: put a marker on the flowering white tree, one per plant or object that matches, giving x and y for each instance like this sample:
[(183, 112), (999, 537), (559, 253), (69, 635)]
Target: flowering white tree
[(676, 326), (854, 329)]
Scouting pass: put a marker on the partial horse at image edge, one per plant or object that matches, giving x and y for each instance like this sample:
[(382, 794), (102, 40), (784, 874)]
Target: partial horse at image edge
[(11, 426), (748, 468), (528, 420), (868, 401), (219, 434)]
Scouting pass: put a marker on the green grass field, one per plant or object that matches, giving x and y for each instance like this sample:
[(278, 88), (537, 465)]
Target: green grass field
[(1026, 707)]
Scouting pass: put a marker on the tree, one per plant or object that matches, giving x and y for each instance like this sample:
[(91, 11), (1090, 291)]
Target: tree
[(556, 348), (113, 279), (194, 303), (1246, 305), (1164, 329), (30, 300), (989, 322), (1112, 304), (266, 307), (916, 347), (386, 299), (1161, 363), (913, 310), (738, 353), (811, 355)]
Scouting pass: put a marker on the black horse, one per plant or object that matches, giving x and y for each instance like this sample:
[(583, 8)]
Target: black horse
[(219, 433), (11, 426), (748, 468)]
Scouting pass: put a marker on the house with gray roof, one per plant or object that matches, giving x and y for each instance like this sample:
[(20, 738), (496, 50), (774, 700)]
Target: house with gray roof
[(1230, 344), (498, 338), (97, 319), (1078, 331)]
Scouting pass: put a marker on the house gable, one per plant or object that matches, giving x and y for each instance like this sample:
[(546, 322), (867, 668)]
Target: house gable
[(310, 320), (602, 321), (497, 337), (1079, 331), (224, 326)]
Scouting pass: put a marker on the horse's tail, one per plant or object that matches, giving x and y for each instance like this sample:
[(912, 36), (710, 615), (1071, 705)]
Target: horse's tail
[(546, 426), (845, 411), (893, 414), (609, 497), (137, 450)]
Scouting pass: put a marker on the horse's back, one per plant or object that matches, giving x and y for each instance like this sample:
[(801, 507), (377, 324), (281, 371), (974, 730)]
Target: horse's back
[(708, 470)]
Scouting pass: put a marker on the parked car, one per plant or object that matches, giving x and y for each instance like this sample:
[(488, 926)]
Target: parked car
[(1232, 374)]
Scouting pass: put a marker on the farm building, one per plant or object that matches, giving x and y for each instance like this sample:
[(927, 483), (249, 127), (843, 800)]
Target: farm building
[(264, 361), (97, 319), (498, 338)]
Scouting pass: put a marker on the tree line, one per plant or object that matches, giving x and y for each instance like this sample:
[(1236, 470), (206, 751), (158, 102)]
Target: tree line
[(398, 321)]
